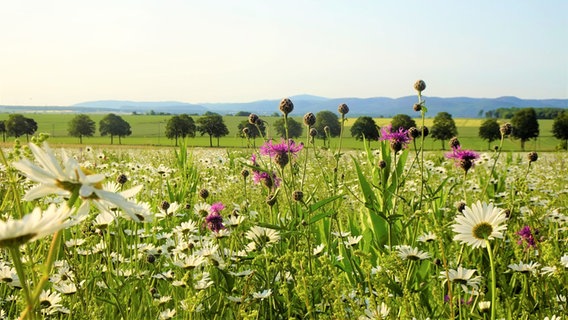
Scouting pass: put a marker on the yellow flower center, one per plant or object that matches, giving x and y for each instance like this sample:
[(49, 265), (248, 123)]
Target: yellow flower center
[(482, 230)]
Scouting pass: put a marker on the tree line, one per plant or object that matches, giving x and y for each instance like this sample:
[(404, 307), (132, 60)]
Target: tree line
[(327, 125), (509, 113)]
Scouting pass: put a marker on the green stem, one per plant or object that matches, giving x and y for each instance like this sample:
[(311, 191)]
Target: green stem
[(17, 260), (493, 280)]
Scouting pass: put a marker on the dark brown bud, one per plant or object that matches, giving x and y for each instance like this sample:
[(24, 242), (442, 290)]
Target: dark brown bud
[(533, 156), (382, 164), (313, 132), (286, 106), (204, 193), (396, 146), (420, 85), (507, 213), (246, 131), (454, 143), (425, 131), (151, 258), (417, 107), (466, 164), (165, 205), (309, 119), (460, 206), (245, 173), (121, 179), (298, 196), (413, 132), (282, 159), (326, 129), (253, 118), (271, 200), (343, 109)]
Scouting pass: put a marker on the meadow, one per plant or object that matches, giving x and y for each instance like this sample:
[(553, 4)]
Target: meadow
[(148, 130), (282, 230)]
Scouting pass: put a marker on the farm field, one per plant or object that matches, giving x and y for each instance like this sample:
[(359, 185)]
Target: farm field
[(148, 130)]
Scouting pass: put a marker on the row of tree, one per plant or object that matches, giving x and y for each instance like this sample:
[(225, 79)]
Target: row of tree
[(524, 123)]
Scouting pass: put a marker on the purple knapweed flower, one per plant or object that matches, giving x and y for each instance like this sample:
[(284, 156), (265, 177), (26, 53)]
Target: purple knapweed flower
[(214, 222), (281, 151), (217, 207), (464, 158), (267, 179), (526, 236), (398, 139)]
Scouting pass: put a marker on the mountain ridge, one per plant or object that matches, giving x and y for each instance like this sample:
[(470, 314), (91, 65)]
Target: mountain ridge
[(464, 107)]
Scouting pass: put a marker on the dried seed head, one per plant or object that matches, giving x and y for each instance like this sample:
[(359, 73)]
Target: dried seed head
[(121, 179), (271, 200), (417, 107), (151, 258), (533, 156), (309, 119), (343, 109), (253, 118), (466, 164), (506, 129), (419, 85), (507, 213), (245, 173), (246, 131), (286, 106), (382, 164), (298, 196), (204, 193), (454, 143)]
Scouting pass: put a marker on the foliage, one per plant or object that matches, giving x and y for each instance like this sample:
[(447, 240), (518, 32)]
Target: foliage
[(295, 128), (81, 126), (525, 126), (402, 121), (489, 131), (3, 130), (114, 125), (331, 121), (365, 128), (508, 113), (242, 114), (180, 126), (17, 125), (213, 125), (444, 127), (560, 127)]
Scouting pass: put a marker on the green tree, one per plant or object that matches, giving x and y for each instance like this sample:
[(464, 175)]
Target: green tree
[(525, 126), (81, 126), (560, 128), (489, 130), (114, 125), (180, 126), (443, 128), (331, 121), (365, 127), (295, 128), (212, 124), (3, 130), (402, 121), (17, 125)]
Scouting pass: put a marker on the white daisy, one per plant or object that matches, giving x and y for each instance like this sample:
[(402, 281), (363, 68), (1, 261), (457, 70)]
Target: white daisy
[(427, 237), (484, 306), (9, 276), (262, 294), (380, 312), (564, 260), (70, 179), (262, 236), (479, 223), (167, 314), (462, 276), (190, 262), (318, 249), (39, 224), (531, 267), (410, 253)]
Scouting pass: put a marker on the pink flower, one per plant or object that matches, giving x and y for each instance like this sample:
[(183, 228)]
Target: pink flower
[(271, 149)]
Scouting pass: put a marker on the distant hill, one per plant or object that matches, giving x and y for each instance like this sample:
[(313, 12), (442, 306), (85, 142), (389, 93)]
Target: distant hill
[(459, 107)]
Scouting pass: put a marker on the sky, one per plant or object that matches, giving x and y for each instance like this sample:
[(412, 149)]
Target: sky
[(62, 52)]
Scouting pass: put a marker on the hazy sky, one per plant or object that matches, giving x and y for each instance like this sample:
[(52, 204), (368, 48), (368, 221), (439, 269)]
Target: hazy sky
[(62, 52)]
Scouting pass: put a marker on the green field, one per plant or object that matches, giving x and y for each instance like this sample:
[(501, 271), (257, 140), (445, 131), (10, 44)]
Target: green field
[(148, 130)]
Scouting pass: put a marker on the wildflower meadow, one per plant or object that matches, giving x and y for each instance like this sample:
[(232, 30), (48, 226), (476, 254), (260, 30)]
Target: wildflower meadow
[(285, 230)]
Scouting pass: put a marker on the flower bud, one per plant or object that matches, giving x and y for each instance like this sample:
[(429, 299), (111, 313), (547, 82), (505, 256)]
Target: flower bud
[(286, 106), (309, 119), (420, 85), (343, 109)]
